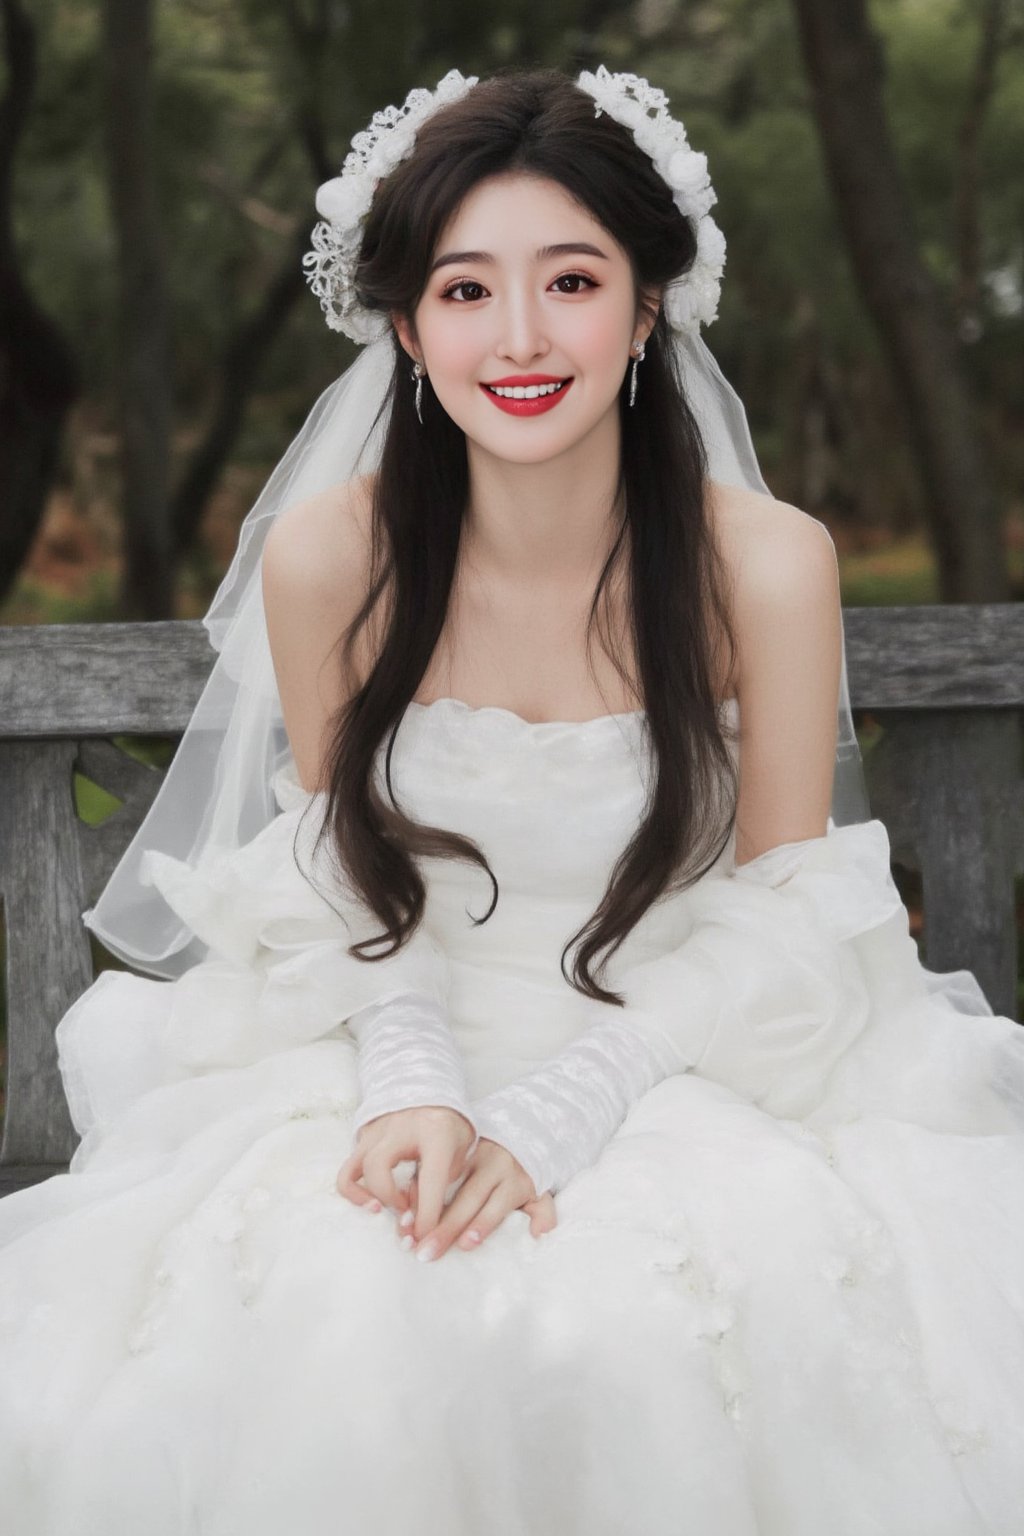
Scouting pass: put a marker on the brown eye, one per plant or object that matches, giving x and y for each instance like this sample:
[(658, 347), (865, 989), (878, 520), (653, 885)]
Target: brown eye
[(476, 291), (573, 277)]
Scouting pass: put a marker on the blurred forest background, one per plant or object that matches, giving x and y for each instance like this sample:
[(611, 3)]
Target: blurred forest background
[(159, 346)]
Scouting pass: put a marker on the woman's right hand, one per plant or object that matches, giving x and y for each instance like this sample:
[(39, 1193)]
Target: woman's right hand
[(436, 1138)]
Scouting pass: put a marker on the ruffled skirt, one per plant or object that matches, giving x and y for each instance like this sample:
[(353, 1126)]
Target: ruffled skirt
[(742, 1325)]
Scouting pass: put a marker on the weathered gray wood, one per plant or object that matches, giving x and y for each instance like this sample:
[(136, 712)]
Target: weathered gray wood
[(71, 679), (128, 778), (74, 680), (949, 788), (135, 784), (48, 960), (936, 656)]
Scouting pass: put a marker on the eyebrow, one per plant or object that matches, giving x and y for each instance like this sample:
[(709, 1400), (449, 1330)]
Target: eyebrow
[(572, 248)]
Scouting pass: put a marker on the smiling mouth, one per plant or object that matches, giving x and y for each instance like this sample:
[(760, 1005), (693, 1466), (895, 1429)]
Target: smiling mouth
[(527, 399), (525, 391)]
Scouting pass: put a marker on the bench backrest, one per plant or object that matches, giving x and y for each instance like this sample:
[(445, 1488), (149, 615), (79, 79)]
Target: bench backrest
[(946, 776)]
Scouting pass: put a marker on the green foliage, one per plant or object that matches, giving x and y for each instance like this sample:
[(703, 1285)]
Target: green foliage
[(256, 101), (35, 603)]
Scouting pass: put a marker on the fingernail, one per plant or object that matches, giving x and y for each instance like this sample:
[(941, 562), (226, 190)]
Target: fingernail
[(407, 1241), (374, 1205), (426, 1253), (472, 1236), (407, 1218)]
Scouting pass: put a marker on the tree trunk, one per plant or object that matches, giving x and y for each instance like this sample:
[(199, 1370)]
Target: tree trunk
[(844, 65), (244, 353), (253, 337), (38, 374), (144, 360), (967, 298)]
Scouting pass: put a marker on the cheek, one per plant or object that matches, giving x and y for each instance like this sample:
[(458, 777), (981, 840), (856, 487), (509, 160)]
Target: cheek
[(452, 350), (606, 341)]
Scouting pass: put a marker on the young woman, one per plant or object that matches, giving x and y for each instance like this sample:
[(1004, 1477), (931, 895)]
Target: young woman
[(566, 957)]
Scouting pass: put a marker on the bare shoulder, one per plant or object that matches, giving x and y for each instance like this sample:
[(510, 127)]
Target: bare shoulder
[(781, 562), (787, 621), (768, 546), (784, 585), (316, 566), (321, 546)]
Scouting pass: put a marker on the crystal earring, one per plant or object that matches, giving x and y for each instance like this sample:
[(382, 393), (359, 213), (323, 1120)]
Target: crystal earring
[(638, 357), (419, 373)]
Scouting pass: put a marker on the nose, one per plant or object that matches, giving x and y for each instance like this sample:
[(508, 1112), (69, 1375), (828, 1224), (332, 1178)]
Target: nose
[(522, 338)]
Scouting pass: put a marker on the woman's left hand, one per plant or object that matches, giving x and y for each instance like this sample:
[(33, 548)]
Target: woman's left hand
[(494, 1185)]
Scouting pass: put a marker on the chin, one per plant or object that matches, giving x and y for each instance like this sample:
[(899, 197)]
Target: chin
[(529, 442), (521, 452)]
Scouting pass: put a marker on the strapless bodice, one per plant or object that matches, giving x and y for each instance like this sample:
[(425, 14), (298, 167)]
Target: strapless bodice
[(552, 805)]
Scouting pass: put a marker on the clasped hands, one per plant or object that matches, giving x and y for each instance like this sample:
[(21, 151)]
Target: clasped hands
[(438, 1140)]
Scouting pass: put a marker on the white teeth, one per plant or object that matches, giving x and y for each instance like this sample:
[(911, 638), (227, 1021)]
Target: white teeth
[(524, 391)]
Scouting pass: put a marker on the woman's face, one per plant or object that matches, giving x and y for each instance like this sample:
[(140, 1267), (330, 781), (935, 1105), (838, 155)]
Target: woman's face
[(527, 291)]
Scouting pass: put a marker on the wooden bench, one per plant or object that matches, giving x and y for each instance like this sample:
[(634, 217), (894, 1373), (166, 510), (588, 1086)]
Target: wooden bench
[(945, 772)]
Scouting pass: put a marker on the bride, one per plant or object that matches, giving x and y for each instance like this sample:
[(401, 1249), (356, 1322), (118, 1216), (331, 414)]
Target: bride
[(513, 904)]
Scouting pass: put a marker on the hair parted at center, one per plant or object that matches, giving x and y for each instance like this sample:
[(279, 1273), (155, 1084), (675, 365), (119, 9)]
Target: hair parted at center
[(538, 123)]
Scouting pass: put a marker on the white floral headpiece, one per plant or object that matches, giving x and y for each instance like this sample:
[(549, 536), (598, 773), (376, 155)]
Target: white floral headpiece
[(344, 202), (692, 300)]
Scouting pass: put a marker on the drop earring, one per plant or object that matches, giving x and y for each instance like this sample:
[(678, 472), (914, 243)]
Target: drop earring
[(418, 373), (638, 357)]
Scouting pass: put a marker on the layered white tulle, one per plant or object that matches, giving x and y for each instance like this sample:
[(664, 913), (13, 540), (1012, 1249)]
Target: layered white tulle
[(787, 1297)]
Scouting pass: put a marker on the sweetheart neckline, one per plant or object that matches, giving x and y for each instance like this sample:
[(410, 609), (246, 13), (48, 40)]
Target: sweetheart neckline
[(482, 711), (535, 725)]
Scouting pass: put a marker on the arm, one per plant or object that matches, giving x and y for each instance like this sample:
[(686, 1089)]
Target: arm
[(407, 1059), (765, 994), (315, 579)]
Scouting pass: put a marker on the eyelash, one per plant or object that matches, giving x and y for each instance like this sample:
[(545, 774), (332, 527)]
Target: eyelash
[(471, 282)]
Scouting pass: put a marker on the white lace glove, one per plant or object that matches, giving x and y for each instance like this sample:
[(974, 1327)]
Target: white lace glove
[(556, 1119), (408, 1058), (764, 996)]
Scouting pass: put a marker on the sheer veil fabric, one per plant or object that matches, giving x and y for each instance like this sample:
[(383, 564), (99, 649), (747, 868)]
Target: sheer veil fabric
[(217, 794)]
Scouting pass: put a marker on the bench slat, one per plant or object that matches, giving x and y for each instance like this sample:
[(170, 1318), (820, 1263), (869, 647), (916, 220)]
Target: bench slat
[(71, 679), (948, 787), (49, 963)]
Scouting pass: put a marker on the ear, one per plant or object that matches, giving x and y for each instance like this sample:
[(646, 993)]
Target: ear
[(648, 305), (406, 333)]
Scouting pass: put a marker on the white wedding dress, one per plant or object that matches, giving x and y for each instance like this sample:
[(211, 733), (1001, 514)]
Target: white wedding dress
[(787, 1305)]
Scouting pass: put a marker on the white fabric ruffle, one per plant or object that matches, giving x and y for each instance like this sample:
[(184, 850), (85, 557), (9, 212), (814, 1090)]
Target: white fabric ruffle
[(786, 1296)]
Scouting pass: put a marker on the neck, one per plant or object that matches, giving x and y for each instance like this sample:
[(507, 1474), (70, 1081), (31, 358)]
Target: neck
[(550, 522)]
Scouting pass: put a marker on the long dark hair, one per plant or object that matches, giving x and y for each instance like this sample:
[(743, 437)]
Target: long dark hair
[(541, 123)]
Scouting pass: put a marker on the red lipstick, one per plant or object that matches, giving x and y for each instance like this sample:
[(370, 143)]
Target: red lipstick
[(532, 405)]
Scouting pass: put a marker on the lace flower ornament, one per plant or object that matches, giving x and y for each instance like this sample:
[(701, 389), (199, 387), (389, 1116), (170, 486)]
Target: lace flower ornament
[(344, 202), (692, 300)]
